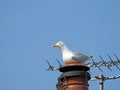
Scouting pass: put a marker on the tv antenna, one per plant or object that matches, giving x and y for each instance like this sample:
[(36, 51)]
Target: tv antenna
[(109, 64)]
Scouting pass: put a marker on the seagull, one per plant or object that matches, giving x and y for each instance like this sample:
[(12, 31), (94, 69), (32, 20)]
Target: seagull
[(68, 55)]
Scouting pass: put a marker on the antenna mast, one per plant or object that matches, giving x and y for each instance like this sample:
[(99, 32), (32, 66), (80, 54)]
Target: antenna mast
[(107, 64)]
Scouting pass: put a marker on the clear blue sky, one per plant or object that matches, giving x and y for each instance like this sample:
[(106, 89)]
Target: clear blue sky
[(28, 29)]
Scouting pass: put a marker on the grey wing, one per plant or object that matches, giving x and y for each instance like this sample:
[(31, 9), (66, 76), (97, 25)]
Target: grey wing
[(80, 57)]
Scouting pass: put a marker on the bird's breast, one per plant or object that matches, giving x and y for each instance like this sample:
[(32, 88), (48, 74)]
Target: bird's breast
[(67, 56)]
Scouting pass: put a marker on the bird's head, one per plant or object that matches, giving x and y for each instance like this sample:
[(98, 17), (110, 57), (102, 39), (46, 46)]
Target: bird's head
[(58, 44)]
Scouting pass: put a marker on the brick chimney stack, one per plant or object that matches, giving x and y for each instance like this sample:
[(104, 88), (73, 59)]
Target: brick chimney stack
[(74, 76)]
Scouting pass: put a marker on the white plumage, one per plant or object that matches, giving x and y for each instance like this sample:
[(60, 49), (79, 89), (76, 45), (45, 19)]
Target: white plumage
[(68, 55)]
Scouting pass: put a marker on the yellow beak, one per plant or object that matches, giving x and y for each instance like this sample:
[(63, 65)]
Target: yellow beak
[(54, 46)]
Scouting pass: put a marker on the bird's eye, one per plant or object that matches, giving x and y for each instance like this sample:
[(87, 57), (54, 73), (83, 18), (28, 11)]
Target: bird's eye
[(59, 43)]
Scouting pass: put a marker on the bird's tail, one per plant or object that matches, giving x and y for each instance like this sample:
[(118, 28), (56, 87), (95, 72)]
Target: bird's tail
[(91, 57)]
